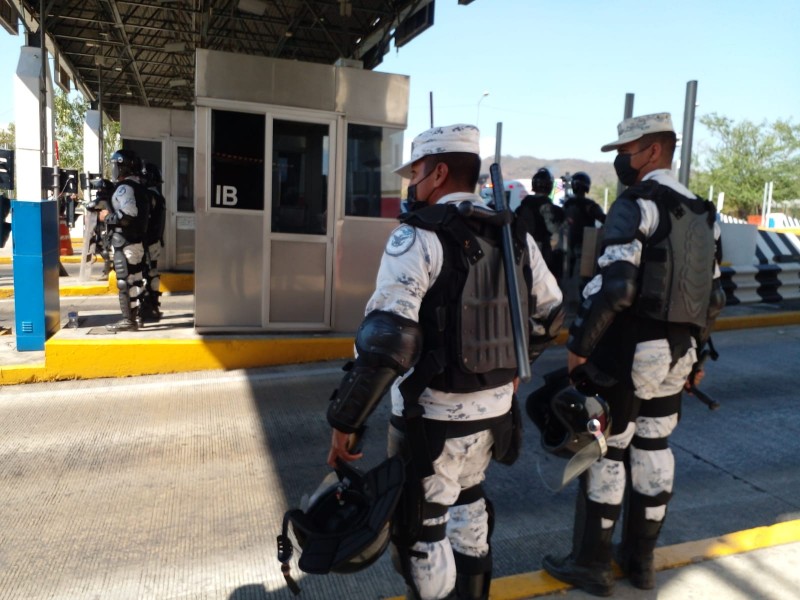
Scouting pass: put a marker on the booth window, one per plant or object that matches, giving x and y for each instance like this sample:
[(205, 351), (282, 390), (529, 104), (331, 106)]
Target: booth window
[(237, 160), (148, 151), (300, 156), (372, 189), (185, 179)]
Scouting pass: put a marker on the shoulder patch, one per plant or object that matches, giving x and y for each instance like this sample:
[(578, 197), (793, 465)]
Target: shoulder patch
[(401, 240)]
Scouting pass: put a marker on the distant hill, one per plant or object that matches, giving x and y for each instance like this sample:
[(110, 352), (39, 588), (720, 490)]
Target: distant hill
[(523, 168)]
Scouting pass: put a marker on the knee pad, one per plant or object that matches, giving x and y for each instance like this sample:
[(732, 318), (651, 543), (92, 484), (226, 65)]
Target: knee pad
[(120, 265)]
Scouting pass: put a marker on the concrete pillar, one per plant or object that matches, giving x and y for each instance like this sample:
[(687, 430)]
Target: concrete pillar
[(35, 218), (91, 142), (26, 116)]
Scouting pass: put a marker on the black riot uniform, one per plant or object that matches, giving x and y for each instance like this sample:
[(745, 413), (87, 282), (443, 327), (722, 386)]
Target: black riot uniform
[(153, 243), (643, 320), (543, 219), (579, 212), (127, 221), (439, 319)]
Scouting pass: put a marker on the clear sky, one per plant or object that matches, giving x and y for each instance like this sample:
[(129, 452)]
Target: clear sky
[(557, 71)]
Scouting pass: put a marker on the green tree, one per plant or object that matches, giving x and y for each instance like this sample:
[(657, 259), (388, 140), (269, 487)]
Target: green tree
[(70, 114), (70, 111), (8, 137), (111, 143), (747, 155)]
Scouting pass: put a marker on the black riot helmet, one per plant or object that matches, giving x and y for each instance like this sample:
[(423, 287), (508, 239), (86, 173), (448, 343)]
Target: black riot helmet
[(125, 163), (152, 175), (347, 524), (581, 183), (542, 181), (573, 426)]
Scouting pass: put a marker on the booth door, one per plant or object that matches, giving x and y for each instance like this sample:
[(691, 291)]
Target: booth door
[(182, 191), (299, 223)]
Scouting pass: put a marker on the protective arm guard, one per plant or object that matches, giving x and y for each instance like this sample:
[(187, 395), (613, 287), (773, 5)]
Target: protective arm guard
[(118, 219), (388, 345), (622, 223), (544, 331), (597, 312), (715, 306)]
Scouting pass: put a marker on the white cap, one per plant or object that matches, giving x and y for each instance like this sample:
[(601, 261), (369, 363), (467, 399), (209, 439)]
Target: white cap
[(441, 140), (632, 129)]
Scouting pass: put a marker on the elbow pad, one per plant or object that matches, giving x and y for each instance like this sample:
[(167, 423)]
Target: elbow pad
[(598, 311), (124, 220), (715, 306), (387, 345), (544, 331)]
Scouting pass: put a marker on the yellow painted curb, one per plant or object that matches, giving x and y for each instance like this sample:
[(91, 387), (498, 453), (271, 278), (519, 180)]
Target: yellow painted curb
[(539, 583), (176, 282), (23, 374), (66, 359), (752, 321), (170, 283)]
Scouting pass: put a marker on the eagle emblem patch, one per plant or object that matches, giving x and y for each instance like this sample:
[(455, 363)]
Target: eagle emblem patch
[(401, 240)]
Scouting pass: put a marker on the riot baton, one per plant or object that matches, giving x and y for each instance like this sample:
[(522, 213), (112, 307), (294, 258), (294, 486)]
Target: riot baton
[(517, 323), (705, 354)]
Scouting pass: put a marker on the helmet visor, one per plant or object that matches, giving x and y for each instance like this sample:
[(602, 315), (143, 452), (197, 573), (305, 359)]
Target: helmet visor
[(556, 475)]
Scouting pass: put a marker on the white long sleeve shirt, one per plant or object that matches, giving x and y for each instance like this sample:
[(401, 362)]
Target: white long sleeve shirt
[(411, 263)]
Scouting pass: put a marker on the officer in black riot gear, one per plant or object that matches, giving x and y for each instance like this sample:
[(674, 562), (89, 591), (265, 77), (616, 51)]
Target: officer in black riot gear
[(543, 219), (579, 212), (451, 390), (127, 221), (642, 328), (150, 309)]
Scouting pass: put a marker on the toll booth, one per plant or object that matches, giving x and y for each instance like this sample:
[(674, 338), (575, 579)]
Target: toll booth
[(294, 190)]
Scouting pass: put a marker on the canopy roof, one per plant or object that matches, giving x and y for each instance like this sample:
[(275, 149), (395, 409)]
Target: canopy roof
[(141, 52)]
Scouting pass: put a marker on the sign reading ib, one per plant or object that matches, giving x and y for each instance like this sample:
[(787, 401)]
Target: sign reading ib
[(226, 195)]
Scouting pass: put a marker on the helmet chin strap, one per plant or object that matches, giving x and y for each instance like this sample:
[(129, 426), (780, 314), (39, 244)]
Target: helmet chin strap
[(285, 551)]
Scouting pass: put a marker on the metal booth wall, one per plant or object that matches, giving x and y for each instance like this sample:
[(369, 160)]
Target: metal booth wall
[(294, 191)]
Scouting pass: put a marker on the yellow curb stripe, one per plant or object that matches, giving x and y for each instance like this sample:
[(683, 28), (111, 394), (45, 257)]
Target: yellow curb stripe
[(170, 283), (751, 321), (176, 282), (22, 374), (66, 359), (539, 583), (733, 543), (92, 289)]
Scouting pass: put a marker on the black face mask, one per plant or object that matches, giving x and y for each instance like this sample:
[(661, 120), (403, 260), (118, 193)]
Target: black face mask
[(622, 165), (411, 202)]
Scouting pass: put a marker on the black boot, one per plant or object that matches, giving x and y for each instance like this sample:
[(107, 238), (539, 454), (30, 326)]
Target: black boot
[(473, 587), (635, 555), (149, 310), (129, 314), (588, 566), (123, 324)]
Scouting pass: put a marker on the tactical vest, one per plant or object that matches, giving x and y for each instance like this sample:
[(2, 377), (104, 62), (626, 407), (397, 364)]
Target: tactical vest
[(529, 211), (465, 315), (677, 268), (134, 232)]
